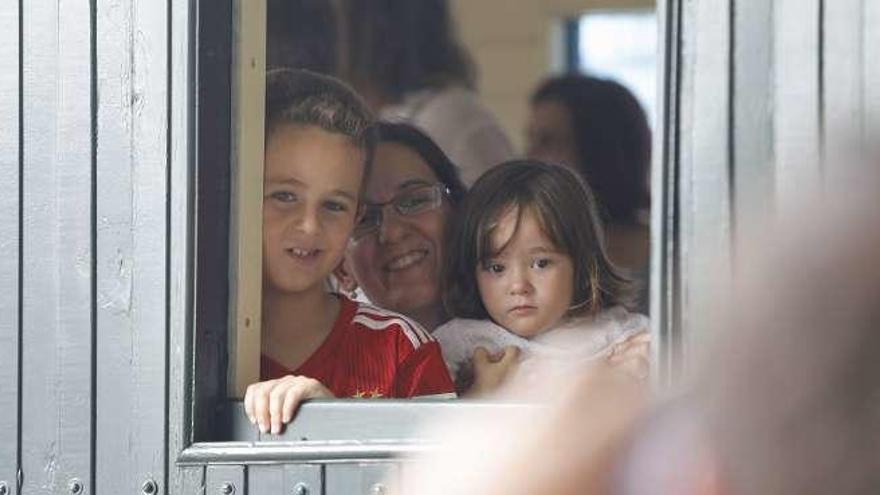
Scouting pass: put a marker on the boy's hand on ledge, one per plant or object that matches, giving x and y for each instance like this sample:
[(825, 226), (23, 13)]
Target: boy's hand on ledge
[(271, 403)]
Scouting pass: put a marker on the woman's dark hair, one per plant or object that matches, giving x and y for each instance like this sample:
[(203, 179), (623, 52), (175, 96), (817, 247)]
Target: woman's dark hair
[(416, 140), (399, 46), (568, 215), (612, 137), (302, 97)]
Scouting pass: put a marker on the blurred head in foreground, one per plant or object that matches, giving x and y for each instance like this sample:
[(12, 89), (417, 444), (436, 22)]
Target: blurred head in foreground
[(787, 399)]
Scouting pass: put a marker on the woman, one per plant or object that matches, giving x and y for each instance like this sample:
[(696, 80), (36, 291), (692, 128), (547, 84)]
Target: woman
[(395, 254), (597, 127)]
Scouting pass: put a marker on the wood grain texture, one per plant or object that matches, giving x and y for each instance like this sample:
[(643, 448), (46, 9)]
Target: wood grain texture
[(10, 241), (188, 481), (132, 171), (246, 218), (57, 304)]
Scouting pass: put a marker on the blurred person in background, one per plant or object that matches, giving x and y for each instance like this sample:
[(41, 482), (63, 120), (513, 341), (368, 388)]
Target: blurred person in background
[(404, 58), (302, 34), (597, 127)]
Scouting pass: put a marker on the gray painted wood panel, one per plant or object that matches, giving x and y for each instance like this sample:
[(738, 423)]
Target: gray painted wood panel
[(10, 170), (179, 353), (360, 479), (871, 69), (57, 324), (753, 171), (225, 480), (704, 187), (665, 259), (292, 479), (796, 100), (190, 481), (131, 174), (842, 84)]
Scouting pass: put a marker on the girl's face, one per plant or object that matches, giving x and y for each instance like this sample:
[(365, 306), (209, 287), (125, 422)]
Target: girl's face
[(528, 286), (398, 265), (310, 200), (550, 134)]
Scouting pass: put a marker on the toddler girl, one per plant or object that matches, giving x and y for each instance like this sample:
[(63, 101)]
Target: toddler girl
[(527, 267)]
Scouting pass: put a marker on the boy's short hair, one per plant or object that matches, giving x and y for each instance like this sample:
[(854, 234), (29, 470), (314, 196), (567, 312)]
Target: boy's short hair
[(568, 216), (302, 97)]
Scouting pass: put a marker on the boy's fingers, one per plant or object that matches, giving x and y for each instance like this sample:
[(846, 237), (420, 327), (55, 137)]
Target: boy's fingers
[(276, 402), (261, 405), (249, 402), (292, 398)]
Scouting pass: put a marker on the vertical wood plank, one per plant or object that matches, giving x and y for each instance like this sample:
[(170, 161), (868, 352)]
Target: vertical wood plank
[(752, 111), (285, 478), (797, 100), (359, 478), (225, 480), (180, 263), (843, 82), (246, 217), (10, 181), (871, 70), (212, 86), (704, 194), (57, 271), (131, 39), (191, 481), (665, 259)]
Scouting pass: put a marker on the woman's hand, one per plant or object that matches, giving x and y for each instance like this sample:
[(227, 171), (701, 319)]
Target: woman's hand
[(490, 371), (272, 403), (632, 356)]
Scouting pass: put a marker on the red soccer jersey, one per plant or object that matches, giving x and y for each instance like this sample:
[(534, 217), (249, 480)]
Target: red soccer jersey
[(370, 353)]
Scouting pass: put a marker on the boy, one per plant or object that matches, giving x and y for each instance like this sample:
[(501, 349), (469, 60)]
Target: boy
[(319, 142)]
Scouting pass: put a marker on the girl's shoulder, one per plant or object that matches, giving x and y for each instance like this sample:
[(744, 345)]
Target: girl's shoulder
[(616, 321), (623, 317)]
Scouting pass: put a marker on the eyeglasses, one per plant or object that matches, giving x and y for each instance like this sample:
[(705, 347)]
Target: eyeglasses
[(408, 203)]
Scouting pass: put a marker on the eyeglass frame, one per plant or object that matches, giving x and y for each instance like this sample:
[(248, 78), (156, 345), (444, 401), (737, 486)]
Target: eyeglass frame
[(438, 188)]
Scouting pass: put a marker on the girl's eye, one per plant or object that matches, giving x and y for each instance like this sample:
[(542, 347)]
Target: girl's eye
[(283, 196), (493, 267), (335, 206), (542, 263)]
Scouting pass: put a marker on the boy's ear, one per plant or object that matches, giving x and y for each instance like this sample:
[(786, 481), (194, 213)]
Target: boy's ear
[(343, 275)]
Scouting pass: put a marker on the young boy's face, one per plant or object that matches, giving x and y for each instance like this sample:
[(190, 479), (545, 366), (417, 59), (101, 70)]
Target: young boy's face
[(310, 199)]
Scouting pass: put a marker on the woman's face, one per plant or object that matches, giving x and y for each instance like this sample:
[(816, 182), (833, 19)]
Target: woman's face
[(398, 265), (550, 134)]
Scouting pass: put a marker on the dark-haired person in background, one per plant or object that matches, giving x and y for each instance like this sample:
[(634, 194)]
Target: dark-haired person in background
[(597, 127), (403, 57), (302, 34)]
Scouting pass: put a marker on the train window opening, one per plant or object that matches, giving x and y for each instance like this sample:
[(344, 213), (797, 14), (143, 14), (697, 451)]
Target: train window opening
[(232, 74)]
